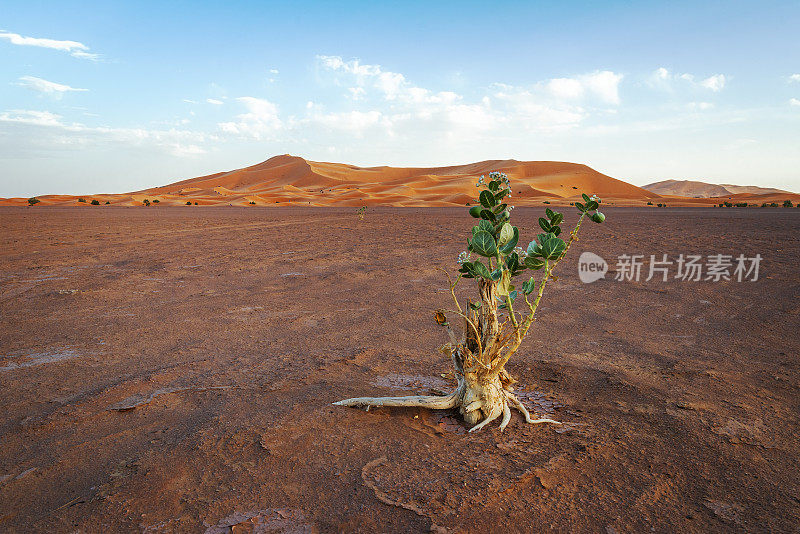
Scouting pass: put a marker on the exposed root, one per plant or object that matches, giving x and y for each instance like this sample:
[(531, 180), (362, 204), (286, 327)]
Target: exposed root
[(528, 419), (506, 416), (493, 414), (432, 402)]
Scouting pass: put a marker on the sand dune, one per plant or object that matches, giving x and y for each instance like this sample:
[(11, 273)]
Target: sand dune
[(292, 180), (694, 189)]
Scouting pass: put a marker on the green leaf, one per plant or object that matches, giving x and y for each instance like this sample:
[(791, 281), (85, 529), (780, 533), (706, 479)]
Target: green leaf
[(505, 234), (544, 224), (503, 217), (499, 208), (475, 211), (549, 213), (488, 215), (484, 225), (479, 269), (528, 287), (487, 199), (500, 194), (534, 263), (513, 296), (545, 237), (580, 206), (512, 262), (509, 246), (475, 305), (466, 269), (484, 244), (494, 185), (534, 249), (556, 219), (553, 248), (585, 197), (592, 205), (497, 274), (556, 230)]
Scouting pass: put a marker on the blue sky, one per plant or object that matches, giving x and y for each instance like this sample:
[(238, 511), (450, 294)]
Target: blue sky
[(116, 96)]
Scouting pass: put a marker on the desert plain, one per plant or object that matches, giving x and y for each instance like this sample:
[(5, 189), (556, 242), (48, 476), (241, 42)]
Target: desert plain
[(172, 370)]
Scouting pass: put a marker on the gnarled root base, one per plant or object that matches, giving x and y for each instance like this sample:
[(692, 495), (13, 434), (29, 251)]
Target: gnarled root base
[(479, 404)]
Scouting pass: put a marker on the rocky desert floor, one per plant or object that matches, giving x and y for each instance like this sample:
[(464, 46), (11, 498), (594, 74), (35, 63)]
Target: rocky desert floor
[(173, 369)]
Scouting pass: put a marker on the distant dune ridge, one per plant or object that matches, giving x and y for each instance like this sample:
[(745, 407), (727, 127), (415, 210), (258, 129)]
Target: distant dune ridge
[(693, 189), (291, 180)]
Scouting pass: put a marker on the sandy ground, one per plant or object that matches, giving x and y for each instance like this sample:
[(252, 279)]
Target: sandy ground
[(171, 370)]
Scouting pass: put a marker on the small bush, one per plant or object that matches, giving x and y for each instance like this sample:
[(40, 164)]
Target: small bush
[(547, 202), (156, 201), (82, 200), (659, 205), (188, 203), (146, 202), (95, 202), (32, 201), (649, 203), (252, 203), (195, 203), (107, 202), (787, 204)]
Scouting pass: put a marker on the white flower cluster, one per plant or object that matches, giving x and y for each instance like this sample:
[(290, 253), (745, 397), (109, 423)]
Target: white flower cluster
[(463, 257), (521, 252)]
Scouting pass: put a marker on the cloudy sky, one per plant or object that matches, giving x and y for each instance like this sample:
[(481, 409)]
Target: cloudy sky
[(119, 96)]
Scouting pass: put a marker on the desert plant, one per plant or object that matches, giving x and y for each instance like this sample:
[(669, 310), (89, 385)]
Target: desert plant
[(649, 203), (362, 211), (82, 200), (156, 201), (108, 202), (252, 203), (547, 202), (188, 203), (95, 202), (195, 203), (492, 330), (32, 201), (146, 202), (787, 203)]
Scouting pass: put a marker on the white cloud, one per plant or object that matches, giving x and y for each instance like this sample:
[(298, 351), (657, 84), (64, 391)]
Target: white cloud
[(716, 83), (357, 93), (794, 78), (260, 122), (44, 86), (273, 71), (74, 48), (663, 79), (214, 101), (794, 102), (52, 133), (600, 84), (189, 101)]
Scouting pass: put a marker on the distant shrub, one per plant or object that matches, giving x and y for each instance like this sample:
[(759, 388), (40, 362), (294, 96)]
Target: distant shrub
[(649, 203), (195, 203), (95, 202), (787, 204), (659, 205), (32, 201), (547, 202), (108, 202), (146, 202), (252, 203), (156, 201), (188, 203), (361, 212), (81, 200), (727, 204), (741, 205)]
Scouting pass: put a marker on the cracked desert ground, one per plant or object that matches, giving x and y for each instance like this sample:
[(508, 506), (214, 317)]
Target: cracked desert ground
[(172, 370)]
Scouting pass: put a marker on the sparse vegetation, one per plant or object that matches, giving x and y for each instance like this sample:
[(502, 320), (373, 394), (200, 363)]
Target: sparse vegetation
[(195, 203), (32, 201), (95, 202), (787, 204), (82, 200), (649, 203), (547, 202), (188, 203), (492, 331), (108, 202), (252, 203), (362, 211), (156, 201), (146, 202)]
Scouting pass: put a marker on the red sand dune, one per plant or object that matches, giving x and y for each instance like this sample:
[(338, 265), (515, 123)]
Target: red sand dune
[(291, 180)]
